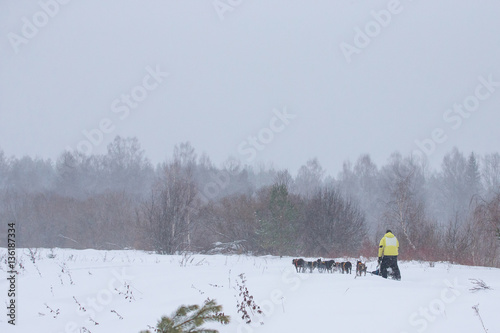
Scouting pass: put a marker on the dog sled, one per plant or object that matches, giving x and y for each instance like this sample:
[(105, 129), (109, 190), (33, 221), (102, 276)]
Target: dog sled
[(390, 273)]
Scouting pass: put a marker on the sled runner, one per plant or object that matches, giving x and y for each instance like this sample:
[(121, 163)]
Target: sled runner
[(390, 273)]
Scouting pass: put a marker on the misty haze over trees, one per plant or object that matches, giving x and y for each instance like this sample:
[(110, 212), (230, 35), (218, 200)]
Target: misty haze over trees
[(120, 200)]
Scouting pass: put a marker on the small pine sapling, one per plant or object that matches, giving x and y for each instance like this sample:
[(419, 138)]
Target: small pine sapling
[(191, 318)]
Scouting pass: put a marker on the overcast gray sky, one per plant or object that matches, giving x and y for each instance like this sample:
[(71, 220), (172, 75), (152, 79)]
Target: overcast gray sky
[(263, 81)]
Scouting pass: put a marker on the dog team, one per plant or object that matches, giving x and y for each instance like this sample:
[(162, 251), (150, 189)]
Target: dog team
[(330, 266)]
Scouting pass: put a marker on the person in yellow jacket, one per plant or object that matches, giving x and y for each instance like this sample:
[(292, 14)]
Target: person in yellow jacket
[(388, 255)]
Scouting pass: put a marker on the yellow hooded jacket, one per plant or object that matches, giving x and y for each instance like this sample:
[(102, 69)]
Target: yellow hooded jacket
[(389, 245)]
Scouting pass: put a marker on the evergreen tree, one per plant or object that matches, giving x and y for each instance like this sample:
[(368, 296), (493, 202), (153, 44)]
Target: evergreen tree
[(189, 319), (277, 225), (473, 176)]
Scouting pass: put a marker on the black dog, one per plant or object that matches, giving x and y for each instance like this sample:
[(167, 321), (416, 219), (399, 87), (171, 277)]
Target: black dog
[(299, 265), (329, 264), (346, 267)]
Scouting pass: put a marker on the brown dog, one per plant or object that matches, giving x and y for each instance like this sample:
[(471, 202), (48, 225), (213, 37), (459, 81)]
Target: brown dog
[(360, 268)]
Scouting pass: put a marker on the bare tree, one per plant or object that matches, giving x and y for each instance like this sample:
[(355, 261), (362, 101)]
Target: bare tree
[(458, 183), (491, 174), (166, 216), (230, 220), (30, 175), (369, 197), (405, 206), (4, 168), (457, 241), (485, 233), (126, 167), (309, 179), (334, 226), (283, 178)]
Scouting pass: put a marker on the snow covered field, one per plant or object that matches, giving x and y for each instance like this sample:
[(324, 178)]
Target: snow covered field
[(125, 291)]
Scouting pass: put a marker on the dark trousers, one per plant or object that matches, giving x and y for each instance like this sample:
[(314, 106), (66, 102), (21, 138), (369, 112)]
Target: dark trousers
[(392, 263)]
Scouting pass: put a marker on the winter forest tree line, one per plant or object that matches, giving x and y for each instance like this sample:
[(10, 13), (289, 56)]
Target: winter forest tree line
[(120, 200)]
